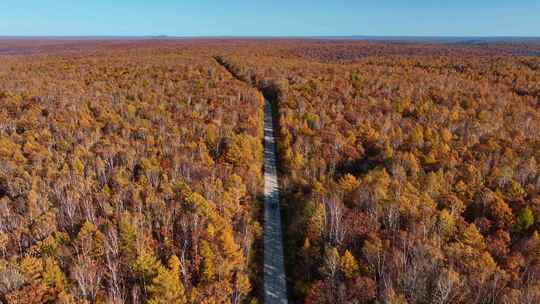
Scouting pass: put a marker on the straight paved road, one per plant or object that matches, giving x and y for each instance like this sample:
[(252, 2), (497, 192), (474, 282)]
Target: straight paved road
[(275, 288)]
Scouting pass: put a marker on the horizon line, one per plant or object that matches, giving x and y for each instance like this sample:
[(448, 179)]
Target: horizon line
[(270, 36)]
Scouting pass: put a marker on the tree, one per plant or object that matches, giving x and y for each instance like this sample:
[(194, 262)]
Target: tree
[(446, 223), (318, 294), (374, 253), (348, 183), (88, 276), (349, 265), (12, 278), (525, 220), (146, 267), (473, 238), (208, 261), (392, 297), (331, 262), (316, 221), (53, 276), (363, 290), (166, 287), (448, 283), (231, 251), (128, 238), (90, 241)]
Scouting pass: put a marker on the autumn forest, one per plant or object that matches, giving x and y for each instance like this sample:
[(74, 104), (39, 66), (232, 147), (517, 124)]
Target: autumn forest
[(132, 171)]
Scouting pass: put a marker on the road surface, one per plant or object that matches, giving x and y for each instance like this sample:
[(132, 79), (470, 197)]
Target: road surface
[(275, 287)]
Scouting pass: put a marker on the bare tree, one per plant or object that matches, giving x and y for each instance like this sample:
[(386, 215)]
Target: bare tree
[(112, 252), (88, 277), (334, 220)]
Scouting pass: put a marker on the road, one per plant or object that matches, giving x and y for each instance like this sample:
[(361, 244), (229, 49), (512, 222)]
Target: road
[(275, 287)]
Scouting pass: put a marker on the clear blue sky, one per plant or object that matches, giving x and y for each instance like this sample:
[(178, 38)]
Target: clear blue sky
[(270, 17)]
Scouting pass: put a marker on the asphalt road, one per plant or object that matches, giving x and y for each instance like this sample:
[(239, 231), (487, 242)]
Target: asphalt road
[(275, 287)]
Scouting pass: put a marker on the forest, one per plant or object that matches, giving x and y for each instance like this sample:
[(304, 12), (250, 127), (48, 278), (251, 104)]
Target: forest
[(127, 177), (132, 171), (408, 178)]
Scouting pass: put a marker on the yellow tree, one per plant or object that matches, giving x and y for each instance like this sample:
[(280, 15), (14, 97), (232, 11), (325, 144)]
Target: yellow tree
[(348, 183), (446, 223), (231, 250), (208, 261), (349, 265), (166, 287), (473, 238)]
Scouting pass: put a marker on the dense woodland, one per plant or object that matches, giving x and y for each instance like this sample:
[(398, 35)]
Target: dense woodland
[(127, 177), (130, 172), (409, 178)]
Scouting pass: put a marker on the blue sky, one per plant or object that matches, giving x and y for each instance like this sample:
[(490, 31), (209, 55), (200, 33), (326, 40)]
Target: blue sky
[(270, 18)]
